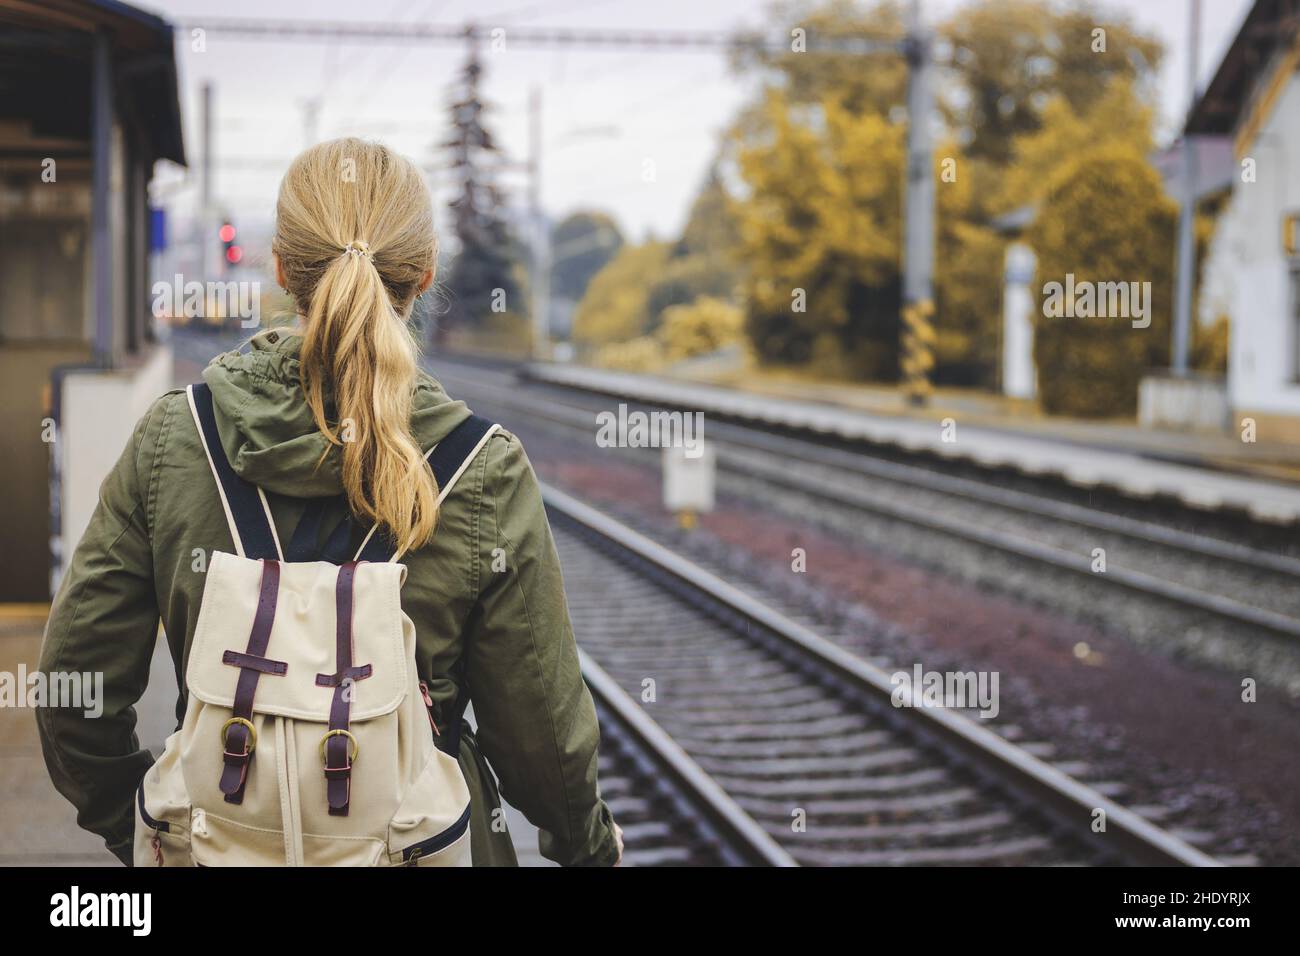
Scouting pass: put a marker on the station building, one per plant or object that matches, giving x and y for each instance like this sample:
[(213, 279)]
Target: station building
[(88, 105), (1251, 272)]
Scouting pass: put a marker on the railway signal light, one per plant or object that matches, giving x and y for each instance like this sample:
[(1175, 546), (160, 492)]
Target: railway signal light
[(233, 252)]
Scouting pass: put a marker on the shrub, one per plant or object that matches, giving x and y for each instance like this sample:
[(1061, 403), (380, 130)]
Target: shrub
[(1104, 219)]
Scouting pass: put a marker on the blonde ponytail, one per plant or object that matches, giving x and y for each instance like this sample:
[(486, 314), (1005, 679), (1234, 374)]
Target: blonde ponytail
[(354, 236)]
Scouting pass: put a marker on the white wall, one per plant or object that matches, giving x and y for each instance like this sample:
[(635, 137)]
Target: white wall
[(1019, 373), (1247, 274), (99, 412)]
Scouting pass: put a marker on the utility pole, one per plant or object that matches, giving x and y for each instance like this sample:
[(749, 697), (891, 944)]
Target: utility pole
[(205, 198), (918, 239), (310, 120), (1186, 269), (101, 198), (541, 349)]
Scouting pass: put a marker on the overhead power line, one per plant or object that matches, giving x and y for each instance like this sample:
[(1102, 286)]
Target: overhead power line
[(917, 49), (319, 31)]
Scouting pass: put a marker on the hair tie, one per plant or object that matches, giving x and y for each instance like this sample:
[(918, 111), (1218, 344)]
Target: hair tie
[(359, 247)]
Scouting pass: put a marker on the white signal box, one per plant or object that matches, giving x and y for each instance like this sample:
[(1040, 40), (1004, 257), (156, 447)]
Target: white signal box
[(689, 478)]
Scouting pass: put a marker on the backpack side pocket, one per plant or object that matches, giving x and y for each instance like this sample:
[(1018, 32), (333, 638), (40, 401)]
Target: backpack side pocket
[(162, 814), (431, 826)]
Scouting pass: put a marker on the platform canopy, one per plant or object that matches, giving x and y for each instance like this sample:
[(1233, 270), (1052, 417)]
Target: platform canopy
[(46, 52)]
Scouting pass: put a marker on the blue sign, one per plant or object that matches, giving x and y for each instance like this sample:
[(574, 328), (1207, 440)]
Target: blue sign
[(157, 229)]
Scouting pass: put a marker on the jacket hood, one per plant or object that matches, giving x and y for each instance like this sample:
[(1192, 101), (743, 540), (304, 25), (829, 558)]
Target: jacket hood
[(267, 429)]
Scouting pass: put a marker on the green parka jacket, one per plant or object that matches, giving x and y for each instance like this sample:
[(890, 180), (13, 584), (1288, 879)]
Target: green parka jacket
[(501, 636)]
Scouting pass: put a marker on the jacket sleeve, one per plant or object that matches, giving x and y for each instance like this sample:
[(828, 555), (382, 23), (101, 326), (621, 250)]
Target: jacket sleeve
[(536, 721), (104, 621)]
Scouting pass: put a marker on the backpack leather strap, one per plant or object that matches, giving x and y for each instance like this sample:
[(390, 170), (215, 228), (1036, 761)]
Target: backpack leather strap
[(338, 746), (239, 738)]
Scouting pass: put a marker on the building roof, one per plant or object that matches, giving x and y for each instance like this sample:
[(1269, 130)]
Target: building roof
[(1216, 169), (45, 52), (1270, 28)]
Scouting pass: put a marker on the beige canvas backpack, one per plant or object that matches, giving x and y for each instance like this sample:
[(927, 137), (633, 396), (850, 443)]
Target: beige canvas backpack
[(307, 739)]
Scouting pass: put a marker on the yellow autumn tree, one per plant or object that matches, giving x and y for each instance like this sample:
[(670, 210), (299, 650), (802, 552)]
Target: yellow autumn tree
[(645, 353), (970, 255), (819, 226), (1118, 117), (1015, 57), (615, 306), (821, 160), (821, 234), (968, 272), (705, 325), (685, 331), (1104, 219)]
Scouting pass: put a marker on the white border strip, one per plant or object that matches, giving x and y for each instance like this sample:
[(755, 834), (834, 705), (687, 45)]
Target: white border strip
[(451, 482), (203, 440)]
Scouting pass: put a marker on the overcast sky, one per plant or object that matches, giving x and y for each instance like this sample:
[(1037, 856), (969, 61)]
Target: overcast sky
[(604, 113)]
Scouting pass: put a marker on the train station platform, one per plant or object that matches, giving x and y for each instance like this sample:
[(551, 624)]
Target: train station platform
[(1211, 472), (37, 826)]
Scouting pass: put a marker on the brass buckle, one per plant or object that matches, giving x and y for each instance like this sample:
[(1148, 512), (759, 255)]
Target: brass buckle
[(252, 733), (356, 747)]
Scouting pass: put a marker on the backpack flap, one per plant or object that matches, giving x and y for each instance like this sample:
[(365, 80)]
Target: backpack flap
[(298, 669)]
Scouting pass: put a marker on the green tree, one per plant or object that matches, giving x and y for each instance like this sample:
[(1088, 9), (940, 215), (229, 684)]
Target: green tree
[(581, 245)]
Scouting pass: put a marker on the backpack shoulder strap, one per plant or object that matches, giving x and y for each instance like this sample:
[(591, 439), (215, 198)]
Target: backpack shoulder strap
[(448, 459), (245, 504)]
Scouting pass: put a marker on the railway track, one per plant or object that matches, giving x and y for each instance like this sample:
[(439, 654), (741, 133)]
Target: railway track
[(1234, 583), (792, 733), (1113, 472), (934, 799), (672, 813)]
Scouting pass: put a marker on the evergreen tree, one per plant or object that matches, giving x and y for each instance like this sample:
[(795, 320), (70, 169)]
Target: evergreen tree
[(482, 279)]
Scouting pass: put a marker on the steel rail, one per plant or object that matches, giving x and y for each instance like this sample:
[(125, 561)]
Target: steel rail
[(1132, 580), (1074, 805), (979, 492), (843, 424), (738, 830)]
